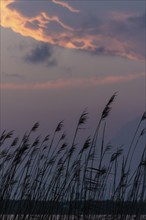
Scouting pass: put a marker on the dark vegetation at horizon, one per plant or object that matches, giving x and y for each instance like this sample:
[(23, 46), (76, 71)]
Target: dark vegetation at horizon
[(50, 169)]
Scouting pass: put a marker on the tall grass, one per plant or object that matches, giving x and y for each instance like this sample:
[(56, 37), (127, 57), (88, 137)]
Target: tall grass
[(50, 169)]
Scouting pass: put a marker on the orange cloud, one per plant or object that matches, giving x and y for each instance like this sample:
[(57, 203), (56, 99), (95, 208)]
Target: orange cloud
[(84, 82), (67, 36), (18, 23)]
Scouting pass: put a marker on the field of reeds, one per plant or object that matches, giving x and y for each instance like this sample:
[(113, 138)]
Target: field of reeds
[(49, 178)]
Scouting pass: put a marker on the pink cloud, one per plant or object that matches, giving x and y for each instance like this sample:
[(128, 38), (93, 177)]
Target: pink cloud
[(65, 5), (82, 82)]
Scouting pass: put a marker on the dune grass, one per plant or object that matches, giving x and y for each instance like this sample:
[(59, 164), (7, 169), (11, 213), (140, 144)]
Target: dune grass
[(51, 169)]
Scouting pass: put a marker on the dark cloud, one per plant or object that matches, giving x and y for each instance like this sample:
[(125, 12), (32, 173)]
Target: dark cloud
[(78, 44), (99, 51), (26, 8), (133, 25), (138, 21), (52, 62), (34, 25), (41, 53), (13, 75), (90, 21), (128, 35), (102, 51)]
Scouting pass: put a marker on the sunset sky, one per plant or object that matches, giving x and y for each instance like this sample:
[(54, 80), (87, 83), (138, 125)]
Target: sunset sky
[(59, 57)]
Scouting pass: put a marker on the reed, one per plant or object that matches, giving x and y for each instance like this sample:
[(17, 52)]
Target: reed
[(49, 169)]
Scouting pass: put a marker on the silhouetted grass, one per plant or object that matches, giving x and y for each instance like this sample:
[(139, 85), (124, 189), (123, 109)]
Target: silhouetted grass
[(52, 170)]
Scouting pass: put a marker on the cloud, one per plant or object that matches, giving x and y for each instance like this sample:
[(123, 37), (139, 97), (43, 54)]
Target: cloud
[(13, 75), (65, 5), (138, 21), (81, 82), (128, 30), (116, 35), (41, 53)]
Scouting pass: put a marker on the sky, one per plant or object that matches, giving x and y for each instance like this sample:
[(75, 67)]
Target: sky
[(61, 57)]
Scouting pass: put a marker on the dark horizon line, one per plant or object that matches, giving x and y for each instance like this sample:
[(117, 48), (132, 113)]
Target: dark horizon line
[(35, 207)]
